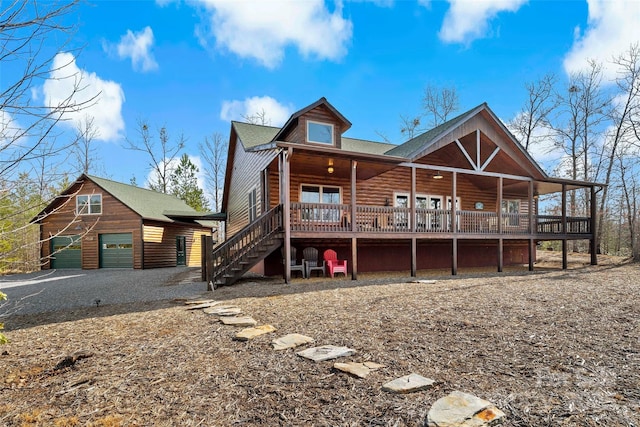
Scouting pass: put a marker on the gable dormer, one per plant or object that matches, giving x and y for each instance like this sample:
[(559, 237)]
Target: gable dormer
[(318, 124)]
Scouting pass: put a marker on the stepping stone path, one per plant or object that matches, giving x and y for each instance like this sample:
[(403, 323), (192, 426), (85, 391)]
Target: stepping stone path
[(458, 409), (425, 281), (463, 410), (223, 311), (197, 305), (290, 341), (326, 352), (238, 321), (251, 333), (408, 384), (360, 370)]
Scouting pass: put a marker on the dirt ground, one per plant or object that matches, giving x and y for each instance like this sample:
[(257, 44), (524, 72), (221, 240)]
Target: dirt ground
[(549, 348)]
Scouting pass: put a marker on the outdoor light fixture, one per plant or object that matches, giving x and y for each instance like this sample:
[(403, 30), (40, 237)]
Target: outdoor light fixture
[(330, 167), (438, 176)]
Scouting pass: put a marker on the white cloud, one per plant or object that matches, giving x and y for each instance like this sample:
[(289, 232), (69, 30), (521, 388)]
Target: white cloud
[(137, 46), (69, 85), (262, 30), (612, 27), (276, 114), (467, 20)]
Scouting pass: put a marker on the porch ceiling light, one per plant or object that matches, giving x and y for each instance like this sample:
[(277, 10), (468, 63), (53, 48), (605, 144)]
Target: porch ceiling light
[(438, 176), (330, 169)]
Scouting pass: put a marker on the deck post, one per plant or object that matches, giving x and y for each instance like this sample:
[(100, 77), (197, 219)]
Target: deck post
[(414, 262), (412, 200), (454, 257), (593, 243), (286, 212), (564, 226), (500, 254), (499, 205), (354, 168), (532, 248), (354, 258), (454, 198)]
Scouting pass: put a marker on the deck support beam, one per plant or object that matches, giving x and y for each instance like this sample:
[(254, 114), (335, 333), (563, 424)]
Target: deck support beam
[(593, 243), (354, 258), (532, 248), (564, 226), (414, 257), (454, 257), (500, 254)]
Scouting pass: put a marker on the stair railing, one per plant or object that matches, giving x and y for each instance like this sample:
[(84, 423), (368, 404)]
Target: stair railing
[(232, 252)]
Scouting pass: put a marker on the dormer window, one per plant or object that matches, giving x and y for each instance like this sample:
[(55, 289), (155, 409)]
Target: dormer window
[(320, 133)]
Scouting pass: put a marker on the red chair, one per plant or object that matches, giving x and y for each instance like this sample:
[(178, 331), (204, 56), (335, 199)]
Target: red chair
[(334, 264)]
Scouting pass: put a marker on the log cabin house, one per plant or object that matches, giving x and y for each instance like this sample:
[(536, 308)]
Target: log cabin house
[(464, 194), (99, 223)]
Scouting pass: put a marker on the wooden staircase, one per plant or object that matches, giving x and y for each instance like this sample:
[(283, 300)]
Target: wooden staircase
[(245, 249)]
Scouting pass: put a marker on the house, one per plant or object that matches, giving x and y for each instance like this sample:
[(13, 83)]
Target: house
[(463, 194), (99, 223)]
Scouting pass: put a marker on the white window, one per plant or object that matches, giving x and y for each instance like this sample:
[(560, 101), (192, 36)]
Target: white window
[(253, 204), (320, 194), (320, 133), (89, 204)]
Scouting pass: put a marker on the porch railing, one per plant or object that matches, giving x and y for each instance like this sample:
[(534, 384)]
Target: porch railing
[(325, 217)]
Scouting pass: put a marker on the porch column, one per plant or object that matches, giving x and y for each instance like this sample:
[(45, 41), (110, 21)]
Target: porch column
[(593, 243), (354, 167), (412, 200), (286, 211), (499, 218), (354, 224), (564, 226), (414, 251), (454, 191), (454, 242), (532, 225)]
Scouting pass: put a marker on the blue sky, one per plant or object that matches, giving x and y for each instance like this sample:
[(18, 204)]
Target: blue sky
[(194, 66)]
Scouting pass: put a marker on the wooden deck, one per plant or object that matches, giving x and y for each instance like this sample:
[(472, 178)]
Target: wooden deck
[(330, 220)]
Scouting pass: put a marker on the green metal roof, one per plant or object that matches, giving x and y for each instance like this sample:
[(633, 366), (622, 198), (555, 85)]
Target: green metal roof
[(417, 144), (148, 204), (256, 135)]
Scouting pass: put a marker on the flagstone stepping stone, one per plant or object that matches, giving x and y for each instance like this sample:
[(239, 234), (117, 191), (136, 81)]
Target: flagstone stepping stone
[(251, 333), (408, 384), (197, 306), (425, 281), (238, 320), (290, 341), (195, 301), (463, 410), (223, 311), (361, 370), (326, 352)]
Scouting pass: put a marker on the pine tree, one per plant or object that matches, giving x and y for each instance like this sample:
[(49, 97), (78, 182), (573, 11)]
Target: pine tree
[(184, 185)]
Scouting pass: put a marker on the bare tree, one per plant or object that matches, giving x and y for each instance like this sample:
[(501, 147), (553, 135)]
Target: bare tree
[(162, 154), (26, 28), (535, 112), (258, 118), (439, 103), (410, 126), (84, 150), (214, 153), (625, 112)]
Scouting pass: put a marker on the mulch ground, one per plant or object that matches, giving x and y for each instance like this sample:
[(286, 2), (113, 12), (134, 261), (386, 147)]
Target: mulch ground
[(553, 347)]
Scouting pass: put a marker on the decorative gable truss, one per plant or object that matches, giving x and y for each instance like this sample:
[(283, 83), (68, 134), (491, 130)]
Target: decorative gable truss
[(477, 164)]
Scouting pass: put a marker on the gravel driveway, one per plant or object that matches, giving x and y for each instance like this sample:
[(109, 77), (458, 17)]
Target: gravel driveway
[(55, 290)]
